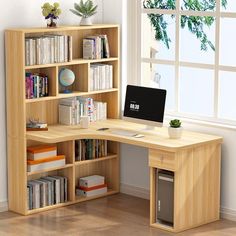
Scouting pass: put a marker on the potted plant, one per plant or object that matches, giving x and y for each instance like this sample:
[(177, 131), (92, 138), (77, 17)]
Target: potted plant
[(195, 24), (85, 10), (175, 129), (51, 13)]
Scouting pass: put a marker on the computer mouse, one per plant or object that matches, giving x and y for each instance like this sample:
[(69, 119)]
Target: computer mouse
[(102, 129), (138, 136)]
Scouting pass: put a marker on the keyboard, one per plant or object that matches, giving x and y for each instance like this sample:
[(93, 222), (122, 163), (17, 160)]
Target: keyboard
[(122, 132)]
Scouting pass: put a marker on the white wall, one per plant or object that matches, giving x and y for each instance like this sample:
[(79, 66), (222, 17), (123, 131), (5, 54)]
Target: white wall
[(134, 160), (24, 13)]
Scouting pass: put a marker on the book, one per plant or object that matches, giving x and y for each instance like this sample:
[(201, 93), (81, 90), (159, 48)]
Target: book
[(35, 194), (41, 151), (91, 181), (91, 193), (48, 49), (50, 162), (65, 115), (96, 47), (92, 188)]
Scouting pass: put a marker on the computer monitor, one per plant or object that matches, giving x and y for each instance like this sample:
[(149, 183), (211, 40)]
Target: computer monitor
[(145, 105)]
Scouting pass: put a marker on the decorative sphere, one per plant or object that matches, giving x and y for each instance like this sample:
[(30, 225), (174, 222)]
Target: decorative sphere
[(66, 77)]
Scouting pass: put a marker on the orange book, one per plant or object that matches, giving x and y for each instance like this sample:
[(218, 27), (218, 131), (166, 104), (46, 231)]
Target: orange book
[(44, 160), (41, 152), (93, 188), (41, 148)]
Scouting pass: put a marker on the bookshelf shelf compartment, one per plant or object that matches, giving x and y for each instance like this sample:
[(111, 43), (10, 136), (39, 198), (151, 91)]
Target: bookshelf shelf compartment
[(81, 74), (49, 170), (83, 199), (108, 157), (51, 73), (47, 208)]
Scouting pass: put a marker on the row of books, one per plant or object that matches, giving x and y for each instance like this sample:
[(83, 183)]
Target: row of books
[(89, 149), (43, 157), (90, 186), (36, 85), (71, 109), (96, 47), (101, 77), (46, 191), (48, 49)]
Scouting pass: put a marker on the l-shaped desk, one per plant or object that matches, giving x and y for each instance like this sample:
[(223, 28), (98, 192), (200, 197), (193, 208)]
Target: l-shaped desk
[(195, 160)]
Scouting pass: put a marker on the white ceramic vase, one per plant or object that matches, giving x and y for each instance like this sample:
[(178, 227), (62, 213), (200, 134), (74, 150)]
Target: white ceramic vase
[(86, 21), (175, 133)]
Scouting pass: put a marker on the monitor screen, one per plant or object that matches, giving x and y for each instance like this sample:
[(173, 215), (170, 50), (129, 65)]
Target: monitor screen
[(145, 104)]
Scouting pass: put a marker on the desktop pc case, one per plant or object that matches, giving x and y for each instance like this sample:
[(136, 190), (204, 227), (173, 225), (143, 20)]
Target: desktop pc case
[(165, 197)]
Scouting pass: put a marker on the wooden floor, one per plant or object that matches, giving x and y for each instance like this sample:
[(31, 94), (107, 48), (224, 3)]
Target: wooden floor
[(115, 215)]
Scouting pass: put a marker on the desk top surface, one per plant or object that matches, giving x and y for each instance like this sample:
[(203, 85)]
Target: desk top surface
[(156, 139)]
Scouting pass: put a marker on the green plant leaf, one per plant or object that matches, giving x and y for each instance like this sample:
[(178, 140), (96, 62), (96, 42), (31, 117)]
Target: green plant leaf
[(76, 12)]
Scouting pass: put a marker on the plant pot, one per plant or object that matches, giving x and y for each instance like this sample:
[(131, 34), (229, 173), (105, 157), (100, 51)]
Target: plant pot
[(86, 21), (51, 22), (175, 133)]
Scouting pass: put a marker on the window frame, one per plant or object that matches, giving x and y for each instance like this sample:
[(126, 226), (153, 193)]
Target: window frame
[(134, 18)]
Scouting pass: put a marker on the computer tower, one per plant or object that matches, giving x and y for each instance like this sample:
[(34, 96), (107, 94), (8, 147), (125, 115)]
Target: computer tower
[(165, 197)]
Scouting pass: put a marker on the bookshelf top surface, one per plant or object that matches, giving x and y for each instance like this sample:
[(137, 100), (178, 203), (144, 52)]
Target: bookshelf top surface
[(62, 28), (156, 139)]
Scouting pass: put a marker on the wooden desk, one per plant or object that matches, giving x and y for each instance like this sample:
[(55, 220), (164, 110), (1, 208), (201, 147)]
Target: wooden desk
[(194, 159)]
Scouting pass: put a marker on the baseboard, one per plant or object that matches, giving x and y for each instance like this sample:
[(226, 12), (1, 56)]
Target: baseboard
[(228, 214), (134, 191), (3, 206), (225, 213)]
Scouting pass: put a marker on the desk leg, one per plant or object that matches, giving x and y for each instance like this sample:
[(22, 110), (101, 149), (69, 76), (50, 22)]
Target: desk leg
[(152, 195)]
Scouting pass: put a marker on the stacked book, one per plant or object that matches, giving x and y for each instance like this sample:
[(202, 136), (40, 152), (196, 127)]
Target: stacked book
[(71, 109), (89, 149), (36, 85), (91, 186), (43, 157), (48, 49), (101, 77), (96, 47), (46, 191)]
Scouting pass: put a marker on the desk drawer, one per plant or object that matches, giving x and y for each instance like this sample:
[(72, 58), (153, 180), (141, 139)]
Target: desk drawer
[(162, 160)]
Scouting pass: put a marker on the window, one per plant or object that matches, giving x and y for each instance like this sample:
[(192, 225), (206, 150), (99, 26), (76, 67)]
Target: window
[(197, 66)]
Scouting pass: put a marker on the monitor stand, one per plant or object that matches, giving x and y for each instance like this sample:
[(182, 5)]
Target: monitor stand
[(147, 128)]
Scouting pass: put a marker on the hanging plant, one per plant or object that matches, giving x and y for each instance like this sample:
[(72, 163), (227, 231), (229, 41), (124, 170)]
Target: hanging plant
[(195, 24)]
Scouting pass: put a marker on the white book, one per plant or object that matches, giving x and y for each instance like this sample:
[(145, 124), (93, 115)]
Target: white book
[(62, 52), (46, 165), (27, 52), (91, 181), (31, 61), (91, 79), (88, 48), (73, 103), (48, 189), (36, 194), (43, 193), (52, 53), (57, 191), (65, 115), (65, 48), (38, 51), (56, 48), (41, 155), (91, 193), (111, 76), (78, 112)]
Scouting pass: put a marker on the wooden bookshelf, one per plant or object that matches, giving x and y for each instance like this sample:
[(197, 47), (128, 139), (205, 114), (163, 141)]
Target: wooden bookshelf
[(20, 109)]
